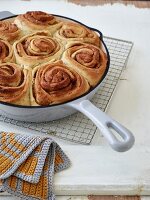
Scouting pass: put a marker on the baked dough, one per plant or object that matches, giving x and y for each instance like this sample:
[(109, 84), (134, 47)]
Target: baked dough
[(88, 60), (37, 48), (34, 21), (6, 52), (47, 60), (9, 31), (14, 84), (76, 32), (55, 83)]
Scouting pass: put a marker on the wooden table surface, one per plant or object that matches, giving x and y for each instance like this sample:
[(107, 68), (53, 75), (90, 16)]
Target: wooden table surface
[(139, 4)]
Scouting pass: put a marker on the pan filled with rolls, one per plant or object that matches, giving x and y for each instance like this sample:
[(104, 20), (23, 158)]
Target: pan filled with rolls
[(50, 67)]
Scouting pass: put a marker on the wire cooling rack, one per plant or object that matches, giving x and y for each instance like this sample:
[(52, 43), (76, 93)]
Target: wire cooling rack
[(77, 127)]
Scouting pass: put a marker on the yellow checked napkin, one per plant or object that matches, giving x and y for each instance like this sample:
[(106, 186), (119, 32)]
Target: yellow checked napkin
[(27, 165)]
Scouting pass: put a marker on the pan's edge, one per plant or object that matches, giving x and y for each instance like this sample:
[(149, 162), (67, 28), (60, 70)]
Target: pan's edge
[(91, 89)]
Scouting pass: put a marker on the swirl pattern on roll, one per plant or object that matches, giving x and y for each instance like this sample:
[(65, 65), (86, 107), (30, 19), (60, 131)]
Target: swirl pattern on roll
[(77, 32), (14, 84), (9, 31), (36, 21), (6, 52), (45, 59), (55, 83), (86, 59), (37, 48)]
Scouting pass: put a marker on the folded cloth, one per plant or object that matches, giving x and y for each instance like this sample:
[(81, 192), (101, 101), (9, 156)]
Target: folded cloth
[(27, 165)]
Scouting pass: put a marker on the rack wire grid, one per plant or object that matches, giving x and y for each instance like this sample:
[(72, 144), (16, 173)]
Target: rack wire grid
[(77, 127)]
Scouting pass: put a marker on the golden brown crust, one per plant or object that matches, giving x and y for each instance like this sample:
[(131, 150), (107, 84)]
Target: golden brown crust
[(6, 52), (36, 21), (76, 32), (56, 83), (14, 84), (58, 75), (37, 48), (88, 60), (9, 31)]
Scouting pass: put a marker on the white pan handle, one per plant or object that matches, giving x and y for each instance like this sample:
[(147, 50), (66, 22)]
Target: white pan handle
[(105, 124), (4, 14)]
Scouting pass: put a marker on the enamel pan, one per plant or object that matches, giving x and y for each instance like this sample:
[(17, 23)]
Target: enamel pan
[(106, 124)]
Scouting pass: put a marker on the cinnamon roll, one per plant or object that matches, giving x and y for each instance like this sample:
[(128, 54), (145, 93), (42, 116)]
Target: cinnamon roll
[(36, 21), (37, 48), (6, 52), (9, 31), (88, 60), (55, 83), (76, 32), (14, 84)]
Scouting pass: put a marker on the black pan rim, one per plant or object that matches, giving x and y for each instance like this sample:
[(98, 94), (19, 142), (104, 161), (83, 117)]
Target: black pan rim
[(77, 98)]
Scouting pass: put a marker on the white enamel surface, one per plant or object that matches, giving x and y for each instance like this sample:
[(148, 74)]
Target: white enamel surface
[(96, 168), (42, 114), (105, 124), (36, 114)]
